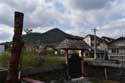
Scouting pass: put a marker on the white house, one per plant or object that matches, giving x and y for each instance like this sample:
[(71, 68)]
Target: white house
[(2, 48), (117, 49), (108, 39), (101, 45)]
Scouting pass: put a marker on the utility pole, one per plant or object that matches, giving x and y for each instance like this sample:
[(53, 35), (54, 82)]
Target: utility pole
[(95, 46), (17, 44)]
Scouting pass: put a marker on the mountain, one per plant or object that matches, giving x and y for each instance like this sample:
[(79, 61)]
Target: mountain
[(51, 37)]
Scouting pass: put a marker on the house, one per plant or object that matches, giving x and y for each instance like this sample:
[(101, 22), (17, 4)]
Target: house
[(117, 49), (107, 39), (2, 48), (101, 45)]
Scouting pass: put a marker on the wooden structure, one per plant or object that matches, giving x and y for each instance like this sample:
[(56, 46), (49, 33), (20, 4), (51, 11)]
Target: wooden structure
[(114, 70), (28, 72), (72, 44), (17, 44)]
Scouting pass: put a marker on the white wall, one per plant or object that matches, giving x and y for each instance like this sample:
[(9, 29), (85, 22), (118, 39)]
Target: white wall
[(103, 46), (88, 40)]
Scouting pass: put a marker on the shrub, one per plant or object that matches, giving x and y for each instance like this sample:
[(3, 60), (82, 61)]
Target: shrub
[(4, 59), (29, 59)]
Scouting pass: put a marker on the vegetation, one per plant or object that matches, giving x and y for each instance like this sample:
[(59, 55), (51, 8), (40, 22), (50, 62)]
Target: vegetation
[(4, 59), (31, 59), (53, 60)]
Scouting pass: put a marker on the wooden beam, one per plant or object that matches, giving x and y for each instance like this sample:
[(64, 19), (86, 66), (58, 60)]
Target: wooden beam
[(67, 63), (16, 49), (30, 80), (66, 56), (82, 63)]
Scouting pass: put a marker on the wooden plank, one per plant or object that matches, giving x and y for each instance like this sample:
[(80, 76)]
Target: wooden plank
[(30, 80), (37, 70), (32, 71)]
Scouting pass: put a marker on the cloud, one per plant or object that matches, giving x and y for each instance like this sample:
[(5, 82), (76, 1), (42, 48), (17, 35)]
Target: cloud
[(6, 33), (114, 28), (42, 29), (90, 4), (89, 11), (79, 31), (22, 5), (6, 14), (77, 17)]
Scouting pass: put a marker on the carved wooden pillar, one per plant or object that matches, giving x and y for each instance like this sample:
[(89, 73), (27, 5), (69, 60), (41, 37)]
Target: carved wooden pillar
[(17, 45)]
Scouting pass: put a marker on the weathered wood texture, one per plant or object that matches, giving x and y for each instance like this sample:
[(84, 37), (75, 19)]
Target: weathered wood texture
[(116, 73), (30, 80), (16, 49), (105, 72), (33, 71)]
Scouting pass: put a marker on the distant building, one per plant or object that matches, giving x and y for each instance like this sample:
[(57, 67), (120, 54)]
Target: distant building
[(2, 48), (107, 39), (117, 49), (101, 45)]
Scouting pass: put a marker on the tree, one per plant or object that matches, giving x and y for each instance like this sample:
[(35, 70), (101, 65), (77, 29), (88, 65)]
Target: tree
[(27, 30)]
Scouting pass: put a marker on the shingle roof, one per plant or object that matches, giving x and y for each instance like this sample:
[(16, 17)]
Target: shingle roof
[(112, 44), (72, 44), (107, 39)]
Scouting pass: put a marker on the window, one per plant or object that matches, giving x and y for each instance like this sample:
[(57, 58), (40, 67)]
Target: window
[(114, 51)]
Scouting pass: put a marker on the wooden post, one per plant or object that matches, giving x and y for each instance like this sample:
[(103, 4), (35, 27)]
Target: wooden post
[(17, 45), (82, 63), (67, 64), (105, 73), (66, 57)]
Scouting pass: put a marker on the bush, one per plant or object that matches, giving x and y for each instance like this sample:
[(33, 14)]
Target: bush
[(29, 59), (32, 59), (4, 59)]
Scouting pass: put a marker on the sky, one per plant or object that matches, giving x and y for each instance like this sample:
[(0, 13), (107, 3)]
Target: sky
[(77, 17)]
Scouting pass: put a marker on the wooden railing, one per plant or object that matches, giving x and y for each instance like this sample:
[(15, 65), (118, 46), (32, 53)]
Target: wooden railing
[(32, 71)]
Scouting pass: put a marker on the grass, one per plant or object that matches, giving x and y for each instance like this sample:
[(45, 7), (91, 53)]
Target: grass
[(30, 59), (53, 60), (4, 59)]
